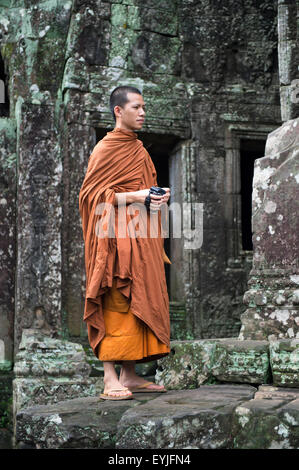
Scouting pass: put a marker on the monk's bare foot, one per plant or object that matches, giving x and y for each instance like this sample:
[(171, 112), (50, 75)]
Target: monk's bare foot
[(110, 384), (129, 378)]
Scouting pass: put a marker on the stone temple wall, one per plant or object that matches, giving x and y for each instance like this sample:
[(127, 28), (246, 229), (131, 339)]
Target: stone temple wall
[(273, 296), (208, 72)]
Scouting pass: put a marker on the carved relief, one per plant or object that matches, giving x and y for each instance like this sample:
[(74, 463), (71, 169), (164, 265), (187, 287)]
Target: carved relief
[(40, 321)]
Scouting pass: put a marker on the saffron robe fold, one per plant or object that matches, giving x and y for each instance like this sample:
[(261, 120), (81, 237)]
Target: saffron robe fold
[(127, 338), (119, 163)]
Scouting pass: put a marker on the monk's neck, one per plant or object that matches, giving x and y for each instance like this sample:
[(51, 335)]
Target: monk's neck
[(121, 128)]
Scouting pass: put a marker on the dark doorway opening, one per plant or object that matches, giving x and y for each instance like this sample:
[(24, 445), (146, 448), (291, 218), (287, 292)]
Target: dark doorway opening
[(249, 150), (159, 146), (100, 133), (4, 107)]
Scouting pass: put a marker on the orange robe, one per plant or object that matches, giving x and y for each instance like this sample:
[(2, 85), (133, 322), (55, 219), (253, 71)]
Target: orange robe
[(127, 338), (127, 263)]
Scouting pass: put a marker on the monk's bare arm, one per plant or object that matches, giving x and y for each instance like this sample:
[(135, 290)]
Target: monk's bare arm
[(129, 198), (139, 196)]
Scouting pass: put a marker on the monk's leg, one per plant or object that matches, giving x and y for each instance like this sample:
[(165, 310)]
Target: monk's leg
[(130, 379), (111, 380)]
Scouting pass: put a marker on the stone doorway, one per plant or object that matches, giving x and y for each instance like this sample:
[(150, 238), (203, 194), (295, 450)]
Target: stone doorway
[(243, 144)]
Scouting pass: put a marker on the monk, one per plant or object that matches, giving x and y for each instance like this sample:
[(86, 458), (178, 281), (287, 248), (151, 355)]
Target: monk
[(126, 305)]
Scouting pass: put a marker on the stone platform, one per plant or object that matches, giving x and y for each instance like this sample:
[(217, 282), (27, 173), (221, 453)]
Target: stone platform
[(222, 393), (226, 416)]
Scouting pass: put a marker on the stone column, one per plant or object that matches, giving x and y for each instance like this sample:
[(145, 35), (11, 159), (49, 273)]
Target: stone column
[(273, 295), (78, 144), (38, 279), (7, 238), (288, 55), (185, 274)]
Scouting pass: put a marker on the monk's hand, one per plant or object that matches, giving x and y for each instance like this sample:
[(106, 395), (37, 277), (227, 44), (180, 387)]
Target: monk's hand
[(167, 195), (141, 195), (156, 202)]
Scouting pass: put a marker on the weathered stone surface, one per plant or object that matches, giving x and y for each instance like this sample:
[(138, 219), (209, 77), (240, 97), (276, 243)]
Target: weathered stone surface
[(6, 409), (187, 366), (40, 356), (199, 419), (5, 396), (78, 423), (7, 238), (49, 370), (38, 278), (89, 33), (178, 327), (272, 296), (34, 45), (284, 358), (185, 251), (288, 54), (271, 392), (269, 421), (29, 392), (212, 416), (241, 361), (78, 141), (194, 362)]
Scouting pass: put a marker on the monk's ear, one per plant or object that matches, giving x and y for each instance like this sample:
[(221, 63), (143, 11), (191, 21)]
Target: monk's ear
[(117, 111)]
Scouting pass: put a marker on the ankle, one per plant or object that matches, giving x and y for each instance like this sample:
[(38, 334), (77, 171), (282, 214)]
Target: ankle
[(127, 369), (110, 378), (107, 381)]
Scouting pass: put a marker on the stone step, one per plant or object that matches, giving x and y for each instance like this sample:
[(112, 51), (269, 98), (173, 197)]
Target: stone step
[(78, 423), (209, 417)]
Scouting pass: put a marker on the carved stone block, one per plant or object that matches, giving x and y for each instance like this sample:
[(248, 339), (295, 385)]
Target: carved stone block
[(194, 362), (241, 361), (48, 370), (284, 358)]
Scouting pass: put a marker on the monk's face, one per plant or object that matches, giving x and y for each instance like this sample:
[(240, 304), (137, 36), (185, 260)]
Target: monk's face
[(131, 116)]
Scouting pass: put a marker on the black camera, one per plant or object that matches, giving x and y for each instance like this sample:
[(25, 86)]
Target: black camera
[(156, 191)]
